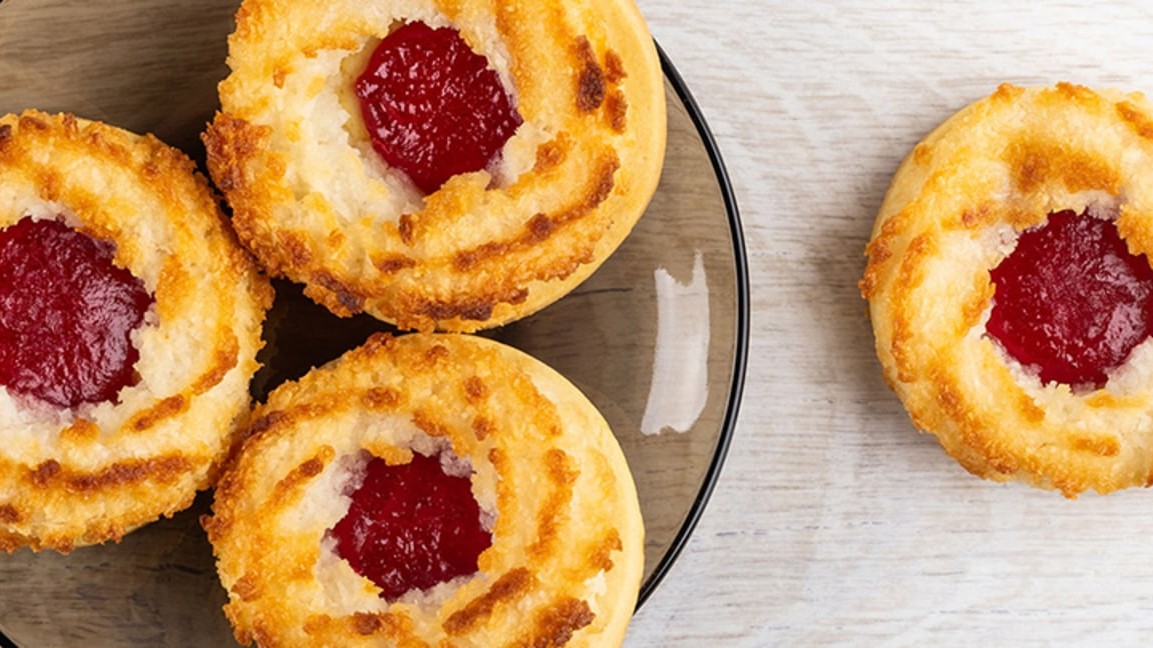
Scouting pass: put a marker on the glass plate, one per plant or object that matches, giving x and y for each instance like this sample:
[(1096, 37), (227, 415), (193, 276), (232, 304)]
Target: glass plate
[(656, 338)]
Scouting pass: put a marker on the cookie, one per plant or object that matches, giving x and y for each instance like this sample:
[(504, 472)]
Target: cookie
[(130, 319), (1010, 290), (428, 490), (451, 166)]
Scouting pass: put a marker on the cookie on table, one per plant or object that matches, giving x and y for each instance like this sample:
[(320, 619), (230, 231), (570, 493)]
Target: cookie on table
[(1010, 288), (438, 165)]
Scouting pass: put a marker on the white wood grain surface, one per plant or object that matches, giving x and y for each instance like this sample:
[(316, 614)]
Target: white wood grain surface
[(835, 522)]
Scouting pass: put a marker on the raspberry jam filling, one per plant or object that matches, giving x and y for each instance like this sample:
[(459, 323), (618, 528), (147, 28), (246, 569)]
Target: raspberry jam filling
[(411, 527), (66, 315), (432, 106), (1071, 301)]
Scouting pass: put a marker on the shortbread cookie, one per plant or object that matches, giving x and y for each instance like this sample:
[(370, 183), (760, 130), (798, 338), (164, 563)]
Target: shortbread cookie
[(429, 490), (450, 165), (129, 324), (1010, 288)]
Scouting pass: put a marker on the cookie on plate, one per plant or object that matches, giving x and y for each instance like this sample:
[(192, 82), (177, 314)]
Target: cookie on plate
[(428, 490), (130, 319), (438, 165), (1010, 288)]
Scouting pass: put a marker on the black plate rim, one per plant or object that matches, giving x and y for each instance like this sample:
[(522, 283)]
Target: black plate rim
[(741, 338)]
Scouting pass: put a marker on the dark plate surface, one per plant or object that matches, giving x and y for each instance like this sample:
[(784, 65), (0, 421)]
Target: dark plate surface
[(656, 338)]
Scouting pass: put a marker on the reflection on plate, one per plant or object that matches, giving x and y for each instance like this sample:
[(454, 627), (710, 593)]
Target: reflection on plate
[(656, 338)]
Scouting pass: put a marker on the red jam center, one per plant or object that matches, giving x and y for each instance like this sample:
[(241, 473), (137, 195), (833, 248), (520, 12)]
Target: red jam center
[(1071, 300), (411, 527), (66, 315), (432, 106)]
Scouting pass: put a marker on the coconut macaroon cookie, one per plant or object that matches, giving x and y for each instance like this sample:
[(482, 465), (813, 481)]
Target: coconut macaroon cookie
[(1010, 288), (129, 323), (451, 165), (428, 490)]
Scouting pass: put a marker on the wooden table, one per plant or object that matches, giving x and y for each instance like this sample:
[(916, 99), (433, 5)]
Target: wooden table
[(835, 522)]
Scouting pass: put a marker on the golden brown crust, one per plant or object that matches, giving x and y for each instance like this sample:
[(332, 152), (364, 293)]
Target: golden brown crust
[(314, 202), (952, 213), (567, 551), (84, 476)]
